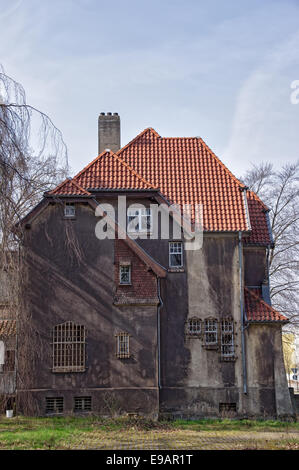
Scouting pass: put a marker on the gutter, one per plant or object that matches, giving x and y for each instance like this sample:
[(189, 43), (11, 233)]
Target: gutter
[(160, 305), (243, 327)]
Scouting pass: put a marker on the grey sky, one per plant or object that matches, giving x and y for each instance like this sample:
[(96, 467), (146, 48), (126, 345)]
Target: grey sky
[(221, 70)]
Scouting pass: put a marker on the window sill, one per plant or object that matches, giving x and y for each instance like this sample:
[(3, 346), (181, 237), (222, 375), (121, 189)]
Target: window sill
[(125, 285), (176, 270), (228, 359), (67, 371), (211, 346), (69, 218)]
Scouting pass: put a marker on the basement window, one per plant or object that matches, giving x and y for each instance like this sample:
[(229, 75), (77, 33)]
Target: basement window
[(82, 404), (123, 345), (175, 254), (227, 407), (69, 210), (125, 274), (211, 332), (227, 339), (54, 405), (193, 327), (68, 348)]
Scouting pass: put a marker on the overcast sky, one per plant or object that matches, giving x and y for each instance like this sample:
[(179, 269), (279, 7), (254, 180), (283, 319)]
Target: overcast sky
[(217, 69)]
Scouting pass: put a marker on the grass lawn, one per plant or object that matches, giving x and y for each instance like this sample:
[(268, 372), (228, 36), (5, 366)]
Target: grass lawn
[(128, 433)]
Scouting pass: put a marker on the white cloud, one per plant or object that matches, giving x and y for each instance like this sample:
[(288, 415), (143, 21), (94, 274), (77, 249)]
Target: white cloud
[(265, 124)]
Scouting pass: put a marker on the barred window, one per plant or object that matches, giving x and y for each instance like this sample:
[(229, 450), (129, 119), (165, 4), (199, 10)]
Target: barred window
[(54, 405), (125, 274), (123, 345), (68, 348), (69, 210), (175, 254), (82, 404), (193, 326), (227, 407), (211, 332), (227, 339)]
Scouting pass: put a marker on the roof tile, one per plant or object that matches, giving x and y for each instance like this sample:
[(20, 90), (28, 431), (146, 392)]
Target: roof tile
[(257, 310)]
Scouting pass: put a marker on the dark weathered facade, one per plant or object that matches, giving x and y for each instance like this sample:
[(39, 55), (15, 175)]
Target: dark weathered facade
[(186, 340)]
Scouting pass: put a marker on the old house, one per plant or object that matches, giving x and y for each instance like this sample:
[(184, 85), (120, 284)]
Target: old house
[(144, 325)]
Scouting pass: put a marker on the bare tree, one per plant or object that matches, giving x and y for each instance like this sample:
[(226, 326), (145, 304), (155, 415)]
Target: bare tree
[(279, 190), (33, 159)]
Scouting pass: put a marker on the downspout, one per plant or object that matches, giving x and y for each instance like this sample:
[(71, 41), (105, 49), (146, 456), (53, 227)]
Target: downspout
[(242, 316), (160, 305)]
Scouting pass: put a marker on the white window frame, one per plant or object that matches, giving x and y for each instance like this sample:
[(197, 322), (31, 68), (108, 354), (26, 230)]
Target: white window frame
[(139, 214), (194, 326), (69, 214), (211, 328), (122, 266), (179, 252)]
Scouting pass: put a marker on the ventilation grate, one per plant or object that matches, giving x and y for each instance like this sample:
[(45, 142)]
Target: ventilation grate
[(82, 404), (224, 407), (54, 405)]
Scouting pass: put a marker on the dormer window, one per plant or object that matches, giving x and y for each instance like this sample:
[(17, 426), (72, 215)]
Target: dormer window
[(69, 210), (139, 220)]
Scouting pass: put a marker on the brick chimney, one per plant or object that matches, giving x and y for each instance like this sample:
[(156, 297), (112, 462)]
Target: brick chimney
[(109, 132)]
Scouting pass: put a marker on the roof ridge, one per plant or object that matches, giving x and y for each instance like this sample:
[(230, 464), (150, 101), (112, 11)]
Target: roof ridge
[(73, 181), (242, 185), (133, 171), (90, 164), (113, 154), (256, 297), (151, 129), (59, 186), (70, 181)]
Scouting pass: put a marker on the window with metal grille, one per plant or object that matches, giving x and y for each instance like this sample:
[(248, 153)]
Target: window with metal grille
[(193, 327), (125, 274), (123, 345), (175, 254), (82, 404), (69, 210), (54, 405), (68, 348), (227, 407), (139, 219), (227, 339), (211, 332)]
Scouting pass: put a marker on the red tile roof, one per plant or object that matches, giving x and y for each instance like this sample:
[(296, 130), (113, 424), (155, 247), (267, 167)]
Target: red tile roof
[(7, 328), (69, 187), (258, 218), (257, 310), (109, 171), (186, 171)]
